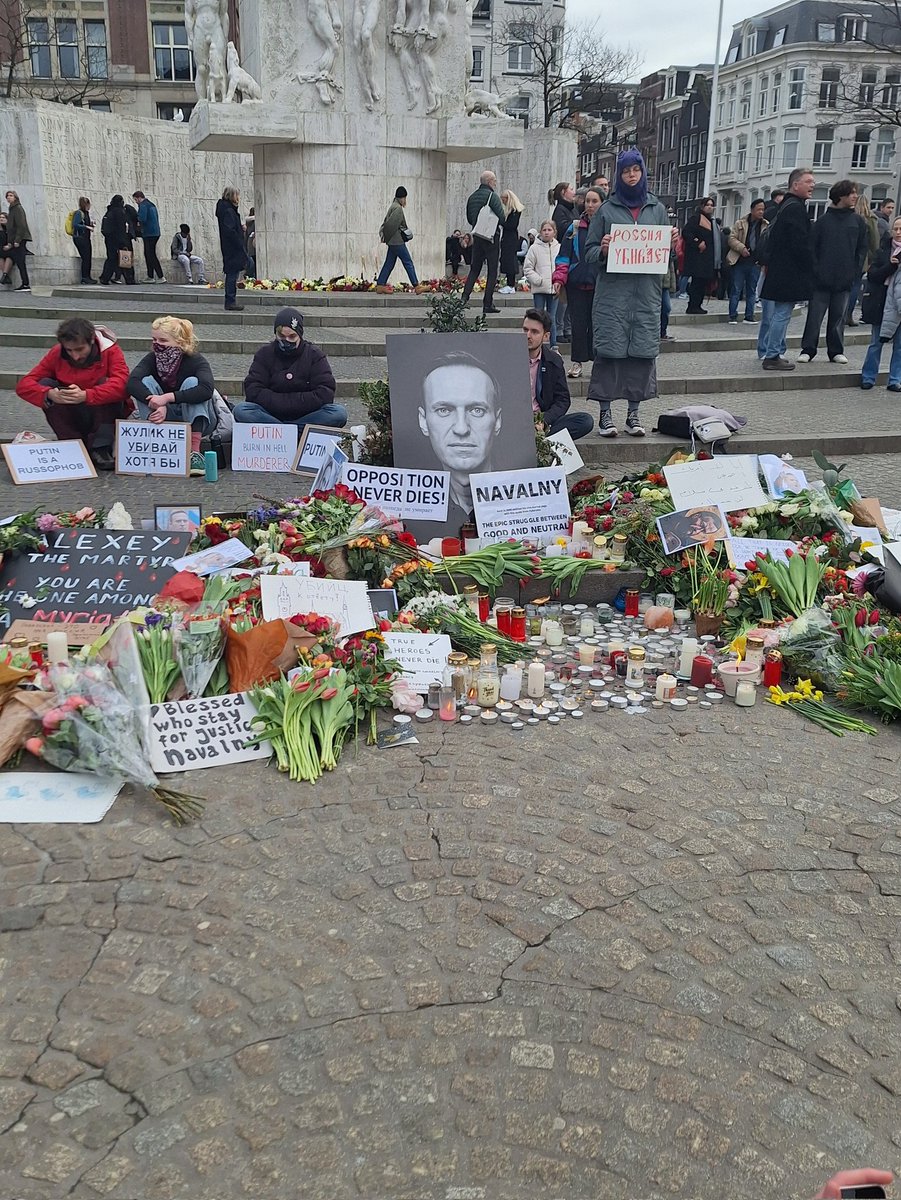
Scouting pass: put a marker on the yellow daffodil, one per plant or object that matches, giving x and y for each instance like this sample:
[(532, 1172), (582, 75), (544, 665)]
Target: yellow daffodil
[(777, 696), (738, 645), (804, 687)]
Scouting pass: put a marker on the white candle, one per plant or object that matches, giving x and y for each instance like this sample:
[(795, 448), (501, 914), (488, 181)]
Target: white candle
[(57, 647), (690, 647), (553, 633), (586, 627), (535, 682)]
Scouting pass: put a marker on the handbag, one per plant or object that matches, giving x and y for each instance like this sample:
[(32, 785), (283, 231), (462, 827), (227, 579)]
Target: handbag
[(712, 433), (126, 260), (486, 224), (407, 235)]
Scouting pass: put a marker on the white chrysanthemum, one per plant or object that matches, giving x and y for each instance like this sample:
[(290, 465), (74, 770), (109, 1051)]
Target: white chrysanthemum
[(118, 517)]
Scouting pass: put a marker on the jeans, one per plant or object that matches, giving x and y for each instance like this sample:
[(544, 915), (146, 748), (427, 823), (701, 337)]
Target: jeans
[(821, 302), (247, 413), (394, 253), (579, 425), (745, 274), (482, 253), (666, 307), (548, 302), (231, 288), (874, 355), (199, 416), (564, 320), (83, 246), (94, 424), (773, 325), (154, 270), (193, 260), (853, 298)]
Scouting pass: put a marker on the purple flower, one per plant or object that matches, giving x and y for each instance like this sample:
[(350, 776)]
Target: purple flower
[(47, 522), (153, 618)]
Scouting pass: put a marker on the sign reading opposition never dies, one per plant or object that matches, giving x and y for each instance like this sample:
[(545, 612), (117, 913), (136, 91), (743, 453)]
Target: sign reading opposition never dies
[(400, 491)]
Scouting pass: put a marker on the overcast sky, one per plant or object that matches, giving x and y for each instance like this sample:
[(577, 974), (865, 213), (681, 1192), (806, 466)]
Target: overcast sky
[(666, 33)]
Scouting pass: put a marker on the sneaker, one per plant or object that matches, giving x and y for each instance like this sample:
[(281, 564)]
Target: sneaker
[(894, 387), (202, 283), (23, 287), (507, 291), (634, 426), (5, 279), (102, 458), (866, 385), (841, 359), (733, 320), (606, 428), (777, 364), (667, 337), (490, 311), (750, 321), (804, 357), (234, 308), (198, 467)]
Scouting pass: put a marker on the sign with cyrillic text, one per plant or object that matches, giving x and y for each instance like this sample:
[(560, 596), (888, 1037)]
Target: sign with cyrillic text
[(639, 249), (48, 462), (343, 600), (518, 504), (143, 448), (257, 447), (400, 491)]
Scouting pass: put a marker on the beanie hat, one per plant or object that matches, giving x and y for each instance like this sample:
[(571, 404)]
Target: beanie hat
[(636, 194), (400, 193), (292, 318)]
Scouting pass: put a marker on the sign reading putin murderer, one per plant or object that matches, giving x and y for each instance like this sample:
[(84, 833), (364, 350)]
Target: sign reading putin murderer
[(639, 249)]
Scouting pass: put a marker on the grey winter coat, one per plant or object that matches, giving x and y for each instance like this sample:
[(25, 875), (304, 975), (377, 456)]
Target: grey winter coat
[(626, 311)]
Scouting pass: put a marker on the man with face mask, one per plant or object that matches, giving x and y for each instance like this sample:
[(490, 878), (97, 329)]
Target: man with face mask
[(290, 381)]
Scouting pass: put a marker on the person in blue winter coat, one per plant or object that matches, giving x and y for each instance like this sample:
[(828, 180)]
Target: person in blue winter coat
[(149, 228)]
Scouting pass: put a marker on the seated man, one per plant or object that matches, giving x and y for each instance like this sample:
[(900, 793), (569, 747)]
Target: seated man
[(550, 391), (182, 251), (290, 381), (81, 385)]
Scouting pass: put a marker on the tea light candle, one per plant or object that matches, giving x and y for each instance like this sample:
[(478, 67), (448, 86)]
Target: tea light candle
[(403, 719), (517, 725), (678, 704), (553, 720), (577, 714), (423, 715), (666, 687), (489, 717), (586, 655), (465, 720), (507, 718), (57, 647), (599, 705)]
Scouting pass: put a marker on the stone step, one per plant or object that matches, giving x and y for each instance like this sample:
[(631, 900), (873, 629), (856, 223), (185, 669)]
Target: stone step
[(596, 451)]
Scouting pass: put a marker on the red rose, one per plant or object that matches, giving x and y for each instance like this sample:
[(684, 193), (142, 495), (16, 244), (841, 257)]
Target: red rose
[(667, 571), (607, 524)]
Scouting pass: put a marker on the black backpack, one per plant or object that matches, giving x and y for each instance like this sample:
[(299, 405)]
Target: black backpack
[(763, 251)]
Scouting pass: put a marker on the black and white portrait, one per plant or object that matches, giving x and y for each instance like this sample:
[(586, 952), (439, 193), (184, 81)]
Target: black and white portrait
[(460, 403)]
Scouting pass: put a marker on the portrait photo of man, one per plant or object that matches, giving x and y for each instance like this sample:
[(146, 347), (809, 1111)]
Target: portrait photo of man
[(177, 520), (691, 527)]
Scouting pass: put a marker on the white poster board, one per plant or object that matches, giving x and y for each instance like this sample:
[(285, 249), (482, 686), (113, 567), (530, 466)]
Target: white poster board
[(570, 458), (258, 447), (400, 491), (423, 656), (343, 600), (517, 504), (143, 448), (729, 481), (743, 550), (782, 478), (315, 443), (209, 732), (47, 462), (639, 249), (55, 798)]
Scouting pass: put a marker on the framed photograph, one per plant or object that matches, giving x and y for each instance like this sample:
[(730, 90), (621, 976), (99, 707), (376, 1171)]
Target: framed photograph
[(692, 527), (314, 445), (177, 518)]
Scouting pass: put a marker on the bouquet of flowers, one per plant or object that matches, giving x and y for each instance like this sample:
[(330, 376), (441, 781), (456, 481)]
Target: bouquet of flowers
[(155, 647), (306, 719)]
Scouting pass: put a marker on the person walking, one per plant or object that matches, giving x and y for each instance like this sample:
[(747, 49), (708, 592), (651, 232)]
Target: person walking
[(881, 308), (513, 207), (82, 229), (579, 277), (18, 235), (789, 270), (538, 269), (485, 240), (395, 233), (701, 238), (839, 250), (116, 234), (563, 211), (181, 250), (231, 242), (741, 258), (863, 211), (626, 309), (149, 228)]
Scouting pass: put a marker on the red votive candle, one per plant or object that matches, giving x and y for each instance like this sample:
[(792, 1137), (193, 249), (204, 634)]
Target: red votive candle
[(503, 615), (701, 670), (632, 599), (484, 606), (451, 547), (772, 669), (518, 625)]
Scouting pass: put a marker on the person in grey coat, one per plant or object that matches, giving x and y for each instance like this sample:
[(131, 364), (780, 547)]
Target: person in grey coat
[(395, 234), (626, 310)]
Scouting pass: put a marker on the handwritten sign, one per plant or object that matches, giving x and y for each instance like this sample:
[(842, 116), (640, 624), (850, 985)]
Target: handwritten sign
[(729, 481), (210, 732), (88, 575), (639, 249), (514, 504), (316, 442), (343, 600), (215, 558), (48, 462), (399, 491), (59, 798), (78, 633), (143, 448), (258, 447), (423, 656), (743, 550), (565, 449)]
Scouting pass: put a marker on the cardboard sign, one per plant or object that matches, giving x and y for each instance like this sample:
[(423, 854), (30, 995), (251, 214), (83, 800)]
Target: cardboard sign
[(639, 249), (423, 656), (215, 558), (48, 462), (263, 447), (399, 491), (570, 458), (518, 504), (78, 633), (315, 443), (143, 448), (328, 476), (729, 481), (88, 575), (744, 550), (58, 798), (210, 732), (343, 600)]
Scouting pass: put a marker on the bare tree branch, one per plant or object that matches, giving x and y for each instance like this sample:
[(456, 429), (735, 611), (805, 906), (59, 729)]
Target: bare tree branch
[(15, 45)]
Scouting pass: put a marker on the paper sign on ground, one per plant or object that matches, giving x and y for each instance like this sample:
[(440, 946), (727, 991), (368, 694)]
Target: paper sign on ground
[(423, 656), (570, 458), (400, 491), (215, 558), (47, 462), (343, 600), (639, 249), (872, 535), (143, 448), (258, 447), (81, 633), (743, 550), (329, 474), (209, 732), (47, 798), (517, 504), (730, 481), (315, 443)]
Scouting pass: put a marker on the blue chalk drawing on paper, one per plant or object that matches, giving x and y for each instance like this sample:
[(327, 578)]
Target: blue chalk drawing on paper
[(50, 793), (15, 793)]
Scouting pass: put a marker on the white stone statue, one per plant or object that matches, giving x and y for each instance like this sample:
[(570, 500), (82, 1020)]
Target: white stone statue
[(238, 79), (480, 102), (419, 28), (216, 79), (206, 24), (327, 25), (366, 18)]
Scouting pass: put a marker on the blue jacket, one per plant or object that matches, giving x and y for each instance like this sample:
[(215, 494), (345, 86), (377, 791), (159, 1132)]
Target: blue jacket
[(149, 218)]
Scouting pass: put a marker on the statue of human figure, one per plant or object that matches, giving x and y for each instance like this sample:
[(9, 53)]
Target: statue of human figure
[(206, 23)]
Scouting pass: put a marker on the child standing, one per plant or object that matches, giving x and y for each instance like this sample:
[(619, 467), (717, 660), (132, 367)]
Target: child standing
[(538, 270)]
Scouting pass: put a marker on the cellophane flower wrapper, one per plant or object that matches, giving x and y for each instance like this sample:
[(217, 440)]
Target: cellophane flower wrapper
[(812, 649), (199, 639), (120, 654)]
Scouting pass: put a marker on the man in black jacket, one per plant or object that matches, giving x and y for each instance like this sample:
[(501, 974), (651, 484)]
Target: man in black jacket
[(290, 381), (550, 391), (789, 270), (484, 251), (839, 248)]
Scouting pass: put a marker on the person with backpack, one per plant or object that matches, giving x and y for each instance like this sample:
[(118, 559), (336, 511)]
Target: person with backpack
[(578, 278), (149, 232), (80, 227)]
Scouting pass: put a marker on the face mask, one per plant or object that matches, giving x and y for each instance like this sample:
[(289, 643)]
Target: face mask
[(287, 347)]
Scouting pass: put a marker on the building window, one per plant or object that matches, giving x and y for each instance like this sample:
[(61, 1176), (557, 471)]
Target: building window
[(732, 56), (169, 112), (716, 158), (693, 115), (741, 156), (721, 112), (519, 107), (727, 156), (852, 28), (39, 48), (97, 57), (878, 195), (763, 98), (777, 91), (67, 49), (758, 152), (770, 149), (173, 60), (860, 151), (829, 81), (683, 151), (868, 85), (885, 149), (482, 10), (693, 148), (702, 148), (478, 61), (730, 106), (519, 58), (796, 88), (818, 203), (100, 106), (822, 147), (790, 138), (672, 133), (891, 89), (825, 31), (745, 109), (779, 37)]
